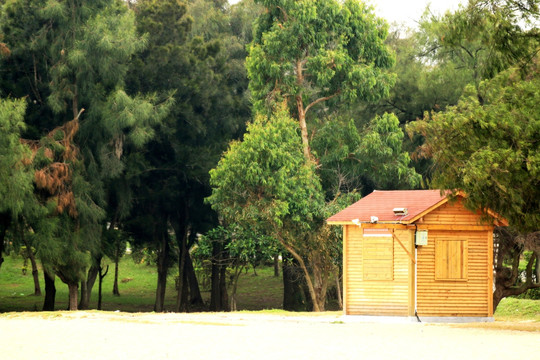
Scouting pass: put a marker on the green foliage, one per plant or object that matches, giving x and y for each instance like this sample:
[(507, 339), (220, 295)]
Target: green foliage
[(243, 246), (15, 177), (70, 60), (89, 46), (422, 84), (363, 159), (318, 50), (490, 149), (192, 55), (485, 37), (264, 181)]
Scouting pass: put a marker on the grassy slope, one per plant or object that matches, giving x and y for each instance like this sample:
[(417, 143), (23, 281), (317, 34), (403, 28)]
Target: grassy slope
[(138, 283)]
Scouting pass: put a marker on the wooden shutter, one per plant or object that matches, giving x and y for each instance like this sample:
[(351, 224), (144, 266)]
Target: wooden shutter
[(451, 259), (378, 254)]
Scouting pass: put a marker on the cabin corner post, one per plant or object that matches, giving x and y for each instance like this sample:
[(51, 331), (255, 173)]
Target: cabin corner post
[(412, 276), (490, 272), (345, 267)]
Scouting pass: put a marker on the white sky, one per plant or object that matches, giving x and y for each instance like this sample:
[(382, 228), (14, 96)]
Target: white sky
[(407, 11)]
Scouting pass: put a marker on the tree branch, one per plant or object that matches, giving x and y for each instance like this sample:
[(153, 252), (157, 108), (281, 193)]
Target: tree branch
[(321, 100), (291, 250), (285, 16)]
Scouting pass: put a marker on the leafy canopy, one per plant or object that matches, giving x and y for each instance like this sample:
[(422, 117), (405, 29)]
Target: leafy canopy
[(265, 180), (338, 46), (364, 159), (317, 52), (491, 150)]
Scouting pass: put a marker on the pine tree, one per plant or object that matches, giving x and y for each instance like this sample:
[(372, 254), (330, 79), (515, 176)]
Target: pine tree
[(15, 176), (70, 60), (192, 52)]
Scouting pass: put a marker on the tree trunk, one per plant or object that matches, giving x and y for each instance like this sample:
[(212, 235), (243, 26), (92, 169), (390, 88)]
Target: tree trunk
[(301, 111), (100, 285), (181, 303), (234, 287), (116, 291), (215, 295), (194, 291), (4, 223), (508, 249), (86, 286), (83, 304), (218, 293), (73, 295), (50, 291), (293, 297), (316, 299), (223, 288), (505, 284), (338, 290), (35, 273), (537, 268), (320, 286), (162, 268), (276, 265), (319, 275), (303, 127)]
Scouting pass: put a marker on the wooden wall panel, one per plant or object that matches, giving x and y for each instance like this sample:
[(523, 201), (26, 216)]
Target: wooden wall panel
[(455, 214), (454, 298), (376, 297)]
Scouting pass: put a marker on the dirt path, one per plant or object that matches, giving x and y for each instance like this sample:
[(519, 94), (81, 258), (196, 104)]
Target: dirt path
[(94, 335)]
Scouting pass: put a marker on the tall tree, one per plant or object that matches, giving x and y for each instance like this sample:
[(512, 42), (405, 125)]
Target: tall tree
[(70, 59), (490, 150), (200, 59), (265, 182), (317, 52)]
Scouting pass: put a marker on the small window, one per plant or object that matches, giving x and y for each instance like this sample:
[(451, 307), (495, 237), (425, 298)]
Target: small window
[(451, 259), (378, 255)]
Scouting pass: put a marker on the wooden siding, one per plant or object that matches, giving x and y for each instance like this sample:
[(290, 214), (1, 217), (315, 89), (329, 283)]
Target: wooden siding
[(368, 297), (455, 298), (451, 214)]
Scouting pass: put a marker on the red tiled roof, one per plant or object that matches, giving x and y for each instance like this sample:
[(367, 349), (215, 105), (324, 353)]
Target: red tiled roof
[(382, 203)]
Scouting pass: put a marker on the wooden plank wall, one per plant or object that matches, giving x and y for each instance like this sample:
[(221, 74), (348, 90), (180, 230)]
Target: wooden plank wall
[(375, 297), (454, 298), (452, 214)]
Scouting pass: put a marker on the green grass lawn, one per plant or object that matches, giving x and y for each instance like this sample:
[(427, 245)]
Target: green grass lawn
[(512, 309), (138, 285), (137, 289)]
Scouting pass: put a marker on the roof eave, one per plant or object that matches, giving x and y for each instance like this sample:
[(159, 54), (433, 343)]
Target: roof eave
[(349, 222)]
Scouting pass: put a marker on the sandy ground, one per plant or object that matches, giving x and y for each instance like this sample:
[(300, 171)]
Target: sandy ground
[(95, 335)]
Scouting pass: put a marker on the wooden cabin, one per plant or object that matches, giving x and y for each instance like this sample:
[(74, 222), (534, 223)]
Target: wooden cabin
[(415, 254)]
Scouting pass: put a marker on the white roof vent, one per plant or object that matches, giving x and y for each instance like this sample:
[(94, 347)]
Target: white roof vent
[(399, 211)]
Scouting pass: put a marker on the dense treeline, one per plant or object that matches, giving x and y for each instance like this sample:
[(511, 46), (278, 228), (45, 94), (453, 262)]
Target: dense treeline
[(115, 115)]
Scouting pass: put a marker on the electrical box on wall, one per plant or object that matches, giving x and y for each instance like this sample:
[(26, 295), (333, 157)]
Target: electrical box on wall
[(421, 237)]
